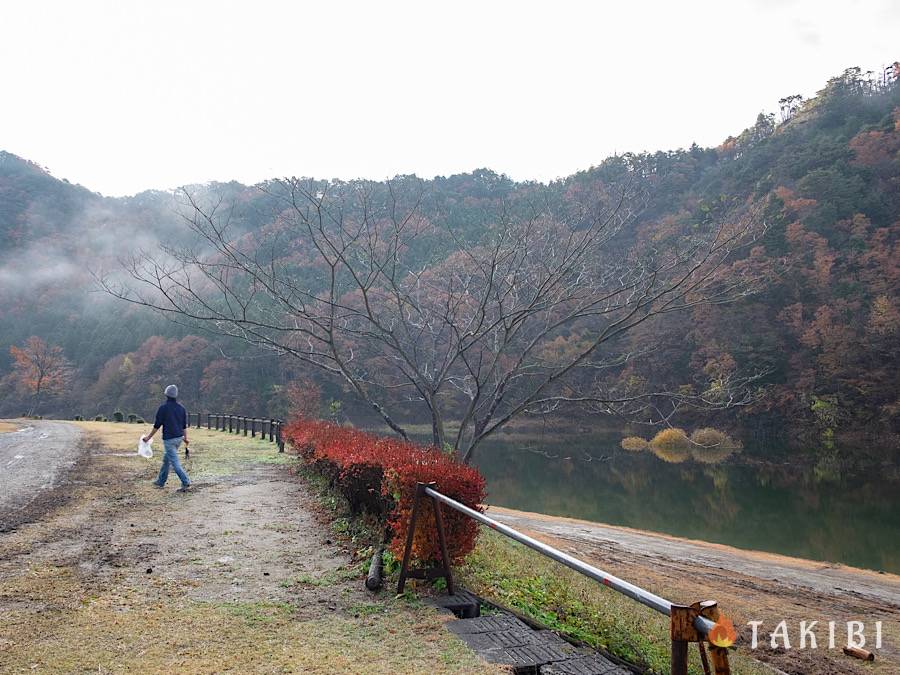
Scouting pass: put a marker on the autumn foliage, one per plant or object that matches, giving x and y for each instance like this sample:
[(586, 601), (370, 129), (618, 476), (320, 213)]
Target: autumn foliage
[(40, 369), (379, 475)]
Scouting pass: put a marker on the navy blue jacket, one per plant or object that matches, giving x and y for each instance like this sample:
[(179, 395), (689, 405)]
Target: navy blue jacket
[(172, 417)]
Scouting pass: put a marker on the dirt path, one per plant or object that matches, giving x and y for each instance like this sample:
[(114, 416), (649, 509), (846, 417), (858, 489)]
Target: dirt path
[(34, 458), (748, 585), (241, 575)]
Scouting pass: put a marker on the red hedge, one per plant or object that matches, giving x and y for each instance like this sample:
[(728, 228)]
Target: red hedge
[(379, 475)]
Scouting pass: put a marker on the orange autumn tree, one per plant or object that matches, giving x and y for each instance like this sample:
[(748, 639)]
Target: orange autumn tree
[(40, 370)]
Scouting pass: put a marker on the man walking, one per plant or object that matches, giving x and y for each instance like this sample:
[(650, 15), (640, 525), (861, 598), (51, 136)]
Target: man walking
[(172, 417)]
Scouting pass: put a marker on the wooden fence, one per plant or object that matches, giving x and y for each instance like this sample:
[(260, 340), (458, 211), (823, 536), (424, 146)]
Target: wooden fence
[(267, 428)]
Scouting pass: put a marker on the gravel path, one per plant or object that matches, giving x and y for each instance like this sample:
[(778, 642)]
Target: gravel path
[(33, 460)]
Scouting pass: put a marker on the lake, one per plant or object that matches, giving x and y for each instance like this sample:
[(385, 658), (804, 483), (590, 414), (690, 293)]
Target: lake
[(816, 509)]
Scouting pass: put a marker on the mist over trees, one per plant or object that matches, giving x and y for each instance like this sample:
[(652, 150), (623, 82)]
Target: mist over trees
[(819, 184)]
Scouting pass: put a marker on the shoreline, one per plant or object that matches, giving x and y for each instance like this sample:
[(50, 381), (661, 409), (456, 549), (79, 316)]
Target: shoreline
[(748, 585), (503, 513)]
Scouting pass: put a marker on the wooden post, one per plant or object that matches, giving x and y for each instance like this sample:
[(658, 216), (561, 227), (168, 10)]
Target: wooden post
[(271, 430), (410, 532), (442, 541), (245, 425), (230, 418), (279, 437), (682, 631), (209, 420), (718, 655), (253, 428)]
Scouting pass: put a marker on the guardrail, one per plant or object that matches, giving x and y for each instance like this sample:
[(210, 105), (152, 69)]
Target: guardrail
[(688, 623), (237, 424)]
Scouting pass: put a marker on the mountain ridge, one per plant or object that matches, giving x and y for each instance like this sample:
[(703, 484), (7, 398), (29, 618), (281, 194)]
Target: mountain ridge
[(827, 177)]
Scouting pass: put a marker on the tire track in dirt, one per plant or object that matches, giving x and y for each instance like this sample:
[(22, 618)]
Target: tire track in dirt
[(34, 462)]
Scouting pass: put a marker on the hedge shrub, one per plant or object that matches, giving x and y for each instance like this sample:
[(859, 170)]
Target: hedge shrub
[(379, 475)]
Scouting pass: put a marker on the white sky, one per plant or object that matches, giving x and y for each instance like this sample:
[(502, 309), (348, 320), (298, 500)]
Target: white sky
[(125, 96)]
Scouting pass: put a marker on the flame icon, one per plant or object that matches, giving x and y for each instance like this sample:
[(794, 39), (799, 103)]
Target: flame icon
[(723, 633)]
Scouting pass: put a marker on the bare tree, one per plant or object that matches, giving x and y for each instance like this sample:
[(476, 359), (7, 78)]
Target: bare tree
[(40, 369), (355, 280)]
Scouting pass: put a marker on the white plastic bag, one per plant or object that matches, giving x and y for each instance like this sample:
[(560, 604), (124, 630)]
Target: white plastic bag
[(145, 449)]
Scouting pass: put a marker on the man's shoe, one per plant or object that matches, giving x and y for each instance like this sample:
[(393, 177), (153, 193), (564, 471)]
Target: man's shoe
[(185, 488), (157, 485)]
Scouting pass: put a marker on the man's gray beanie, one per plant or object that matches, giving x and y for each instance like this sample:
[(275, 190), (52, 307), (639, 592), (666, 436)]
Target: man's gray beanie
[(172, 391)]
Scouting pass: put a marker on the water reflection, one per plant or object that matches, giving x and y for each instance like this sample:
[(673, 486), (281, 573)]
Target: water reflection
[(822, 512)]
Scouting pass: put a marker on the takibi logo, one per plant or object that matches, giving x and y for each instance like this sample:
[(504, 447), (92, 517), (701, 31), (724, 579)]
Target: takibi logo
[(723, 633)]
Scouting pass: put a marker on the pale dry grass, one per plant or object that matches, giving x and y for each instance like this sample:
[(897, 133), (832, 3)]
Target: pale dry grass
[(9, 426)]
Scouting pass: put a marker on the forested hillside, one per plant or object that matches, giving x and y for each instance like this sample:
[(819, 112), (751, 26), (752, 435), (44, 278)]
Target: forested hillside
[(821, 329)]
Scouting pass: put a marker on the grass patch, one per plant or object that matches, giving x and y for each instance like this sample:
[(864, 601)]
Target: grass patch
[(255, 613), (367, 609), (217, 453), (213, 453), (514, 576), (121, 631), (333, 577)]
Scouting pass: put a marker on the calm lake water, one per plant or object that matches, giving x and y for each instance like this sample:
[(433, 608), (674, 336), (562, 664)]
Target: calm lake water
[(817, 509)]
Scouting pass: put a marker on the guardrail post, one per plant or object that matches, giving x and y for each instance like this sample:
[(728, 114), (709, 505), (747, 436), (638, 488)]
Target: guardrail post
[(681, 628), (436, 572), (229, 423), (720, 660), (253, 428), (208, 421), (683, 631), (244, 418), (719, 655), (271, 430), (279, 436), (410, 532), (442, 541)]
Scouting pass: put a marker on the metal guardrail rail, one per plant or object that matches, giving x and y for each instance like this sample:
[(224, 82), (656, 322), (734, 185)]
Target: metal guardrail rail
[(691, 623)]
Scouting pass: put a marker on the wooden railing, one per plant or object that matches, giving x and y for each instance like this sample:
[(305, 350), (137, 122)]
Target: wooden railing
[(268, 428)]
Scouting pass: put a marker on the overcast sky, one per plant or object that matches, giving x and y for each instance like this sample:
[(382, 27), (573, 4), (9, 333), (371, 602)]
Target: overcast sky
[(125, 96)]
